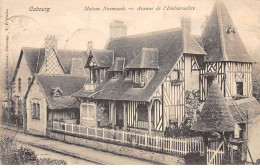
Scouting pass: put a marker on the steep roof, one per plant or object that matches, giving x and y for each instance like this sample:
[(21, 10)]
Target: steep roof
[(65, 57), (220, 38), (146, 59), (170, 46), (68, 84), (215, 115), (240, 109), (103, 58), (118, 64), (35, 58)]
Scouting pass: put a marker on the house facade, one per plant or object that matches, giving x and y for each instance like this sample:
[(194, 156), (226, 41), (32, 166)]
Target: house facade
[(49, 99), (47, 60), (145, 87)]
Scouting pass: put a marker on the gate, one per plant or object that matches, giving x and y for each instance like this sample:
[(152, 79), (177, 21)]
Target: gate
[(215, 155)]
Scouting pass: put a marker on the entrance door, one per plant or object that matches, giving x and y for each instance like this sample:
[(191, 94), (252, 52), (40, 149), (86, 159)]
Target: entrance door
[(239, 88), (119, 114)]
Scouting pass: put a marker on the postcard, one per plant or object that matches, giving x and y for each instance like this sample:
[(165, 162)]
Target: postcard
[(116, 82)]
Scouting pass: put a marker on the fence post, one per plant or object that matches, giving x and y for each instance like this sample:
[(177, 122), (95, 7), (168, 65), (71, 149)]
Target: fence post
[(123, 136), (65, 125), (87, 130), (95, 132), (79, 128), (156, 142), (186, 147), (72, 128), (103, 133), (145, 140)]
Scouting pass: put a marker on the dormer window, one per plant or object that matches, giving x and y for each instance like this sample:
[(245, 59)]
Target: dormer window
[(117, 67), (139, 78), (56, 92), (143, 65), (230, 29)]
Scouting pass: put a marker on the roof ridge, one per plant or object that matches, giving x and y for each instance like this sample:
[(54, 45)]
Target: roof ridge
[(220, 24), (60, 75), (98, 49), (146, 34)]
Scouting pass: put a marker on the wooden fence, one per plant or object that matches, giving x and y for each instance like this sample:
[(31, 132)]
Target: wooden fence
[(179, 146)]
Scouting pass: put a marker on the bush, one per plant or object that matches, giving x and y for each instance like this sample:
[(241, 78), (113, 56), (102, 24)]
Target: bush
[(10, 155), (26, 156), (8, 151), (194, 158)]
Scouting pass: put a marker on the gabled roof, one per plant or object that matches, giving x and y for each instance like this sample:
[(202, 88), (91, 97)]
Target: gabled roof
[(102, 58), (68, 84), (146, 59), (219, 43), (35, 58), (215, 114), (65, 57), (118, 64), (170, 46)]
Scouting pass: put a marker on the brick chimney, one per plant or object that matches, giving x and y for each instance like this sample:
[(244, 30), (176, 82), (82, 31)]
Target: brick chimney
[(50, 54), (186, 23), (118, 29)]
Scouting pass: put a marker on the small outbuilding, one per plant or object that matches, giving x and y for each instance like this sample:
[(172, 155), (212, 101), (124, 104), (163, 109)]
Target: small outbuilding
[(49, 99)]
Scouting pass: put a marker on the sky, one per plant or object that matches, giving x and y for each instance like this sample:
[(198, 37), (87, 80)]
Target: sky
[(74, 27)]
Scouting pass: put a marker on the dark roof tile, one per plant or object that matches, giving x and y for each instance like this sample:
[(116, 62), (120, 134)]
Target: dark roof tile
[(118, 64), (68, 84), (220, 45), (146, 59)]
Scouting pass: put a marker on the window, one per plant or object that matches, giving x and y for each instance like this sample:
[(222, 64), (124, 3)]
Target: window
[(88, 111), (137, 78), (19, 84), (29, 81), (142, 76), (142, 112), (129, 74), (239, 88), (35, 110)]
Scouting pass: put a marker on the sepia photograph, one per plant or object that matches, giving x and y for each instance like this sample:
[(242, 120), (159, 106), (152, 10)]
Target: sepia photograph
[(117, 82)]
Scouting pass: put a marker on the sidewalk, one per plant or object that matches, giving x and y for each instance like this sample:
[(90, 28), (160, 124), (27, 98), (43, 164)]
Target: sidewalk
[(98, 157)]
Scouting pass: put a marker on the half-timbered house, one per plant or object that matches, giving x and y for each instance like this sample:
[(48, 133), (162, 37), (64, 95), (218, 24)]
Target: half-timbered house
[(226, 56), (145, 86)]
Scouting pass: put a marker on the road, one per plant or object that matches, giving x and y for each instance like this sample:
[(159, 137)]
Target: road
[(73, 154)]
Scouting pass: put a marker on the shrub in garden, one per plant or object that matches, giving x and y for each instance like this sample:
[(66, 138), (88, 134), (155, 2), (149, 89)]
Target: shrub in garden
[(10, 155), (194, 158)]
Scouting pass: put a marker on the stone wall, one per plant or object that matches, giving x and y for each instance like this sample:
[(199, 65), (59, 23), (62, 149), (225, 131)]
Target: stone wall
[(118, 149)]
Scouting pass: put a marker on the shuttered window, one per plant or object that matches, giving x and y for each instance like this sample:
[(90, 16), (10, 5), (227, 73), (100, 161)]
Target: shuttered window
[(88, 111), (35, 110)]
